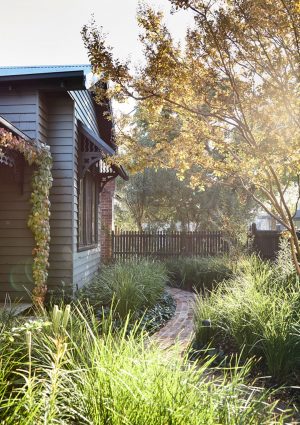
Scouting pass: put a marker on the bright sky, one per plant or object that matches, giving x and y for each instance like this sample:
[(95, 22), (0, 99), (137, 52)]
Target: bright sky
[(42, 32)]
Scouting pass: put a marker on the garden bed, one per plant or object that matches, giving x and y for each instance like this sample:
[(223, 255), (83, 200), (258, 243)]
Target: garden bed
[(255, 314), (150, 320), (69, 367), (133, 291)]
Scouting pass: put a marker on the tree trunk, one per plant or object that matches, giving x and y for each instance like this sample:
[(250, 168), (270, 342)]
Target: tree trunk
[(139, 226)]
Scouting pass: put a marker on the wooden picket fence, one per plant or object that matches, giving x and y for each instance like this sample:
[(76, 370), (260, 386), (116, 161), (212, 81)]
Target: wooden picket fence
[(163, 245)]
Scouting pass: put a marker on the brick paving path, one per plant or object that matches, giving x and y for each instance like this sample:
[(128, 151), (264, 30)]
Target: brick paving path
[(180, 328)]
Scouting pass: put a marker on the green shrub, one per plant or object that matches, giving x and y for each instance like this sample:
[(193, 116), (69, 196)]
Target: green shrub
[(129, 286), (259, 313), (198, 273), (70, 369)]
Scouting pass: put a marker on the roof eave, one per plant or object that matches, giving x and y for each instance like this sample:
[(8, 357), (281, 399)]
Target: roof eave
[(70, 80), (100, 143), (42, 76), (122, 173)]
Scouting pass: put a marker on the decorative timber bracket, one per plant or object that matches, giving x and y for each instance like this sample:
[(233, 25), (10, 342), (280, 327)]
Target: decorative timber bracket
[(92, 158), (106, 174), (15, 161), (93, 152), (88, 160)]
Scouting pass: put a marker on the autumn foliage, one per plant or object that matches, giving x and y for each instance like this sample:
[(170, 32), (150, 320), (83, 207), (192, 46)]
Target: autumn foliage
[(231, 92)]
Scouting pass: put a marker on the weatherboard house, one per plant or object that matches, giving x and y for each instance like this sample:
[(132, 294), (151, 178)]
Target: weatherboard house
[(53, 107)]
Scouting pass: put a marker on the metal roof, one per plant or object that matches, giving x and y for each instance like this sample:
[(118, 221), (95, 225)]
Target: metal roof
[(42, 69), (22, 73)]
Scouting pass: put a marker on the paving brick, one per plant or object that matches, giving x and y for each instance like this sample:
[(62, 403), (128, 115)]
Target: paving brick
[(180, 328)]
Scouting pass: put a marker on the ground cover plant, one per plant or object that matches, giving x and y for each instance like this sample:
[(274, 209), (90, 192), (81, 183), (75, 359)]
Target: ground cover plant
[(157, 316), (257, 313), (68, 367), (198, 273)]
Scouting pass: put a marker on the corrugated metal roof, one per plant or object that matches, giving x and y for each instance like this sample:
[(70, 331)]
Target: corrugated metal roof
[(42, 69)]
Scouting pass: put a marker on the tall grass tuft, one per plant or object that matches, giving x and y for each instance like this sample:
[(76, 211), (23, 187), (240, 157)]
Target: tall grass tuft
[(198, 273), (258, 311), (130, 286), (69, 368)]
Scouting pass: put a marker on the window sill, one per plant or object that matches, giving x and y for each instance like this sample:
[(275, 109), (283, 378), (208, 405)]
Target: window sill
[(81, 248)]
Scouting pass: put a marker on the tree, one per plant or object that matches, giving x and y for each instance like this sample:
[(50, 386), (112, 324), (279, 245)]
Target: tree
[(146, 199), (233, 89), (155, 199), (141, 201)]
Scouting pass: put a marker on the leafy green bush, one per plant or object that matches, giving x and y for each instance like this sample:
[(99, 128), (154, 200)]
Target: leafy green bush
[(198, 273), (259, 313), (69, 368), (158, 315), (129, 286)]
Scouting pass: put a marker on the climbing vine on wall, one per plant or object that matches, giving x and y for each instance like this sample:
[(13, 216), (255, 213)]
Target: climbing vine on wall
[(39, 218)]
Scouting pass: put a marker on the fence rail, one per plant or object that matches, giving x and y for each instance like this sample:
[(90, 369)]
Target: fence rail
[(163, 245)]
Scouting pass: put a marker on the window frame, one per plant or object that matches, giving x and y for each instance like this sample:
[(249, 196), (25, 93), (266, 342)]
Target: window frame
[(88, 235)]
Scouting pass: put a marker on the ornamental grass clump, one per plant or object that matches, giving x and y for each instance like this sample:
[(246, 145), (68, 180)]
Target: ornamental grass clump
[(257, 312), (69, 368), (199, 273), (129, 286)]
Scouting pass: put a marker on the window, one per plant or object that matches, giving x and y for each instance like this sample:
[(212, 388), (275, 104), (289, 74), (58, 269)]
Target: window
[(88, 212)]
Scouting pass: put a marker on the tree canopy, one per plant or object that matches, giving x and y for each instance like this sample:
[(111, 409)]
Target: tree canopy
[(157, 199), (231, 91)]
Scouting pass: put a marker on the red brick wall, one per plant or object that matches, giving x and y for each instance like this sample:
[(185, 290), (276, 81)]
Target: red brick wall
[(106, 211)]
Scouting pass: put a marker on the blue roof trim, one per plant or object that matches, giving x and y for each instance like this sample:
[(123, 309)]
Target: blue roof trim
[(44, 69), (297, 214), (45, 72)]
